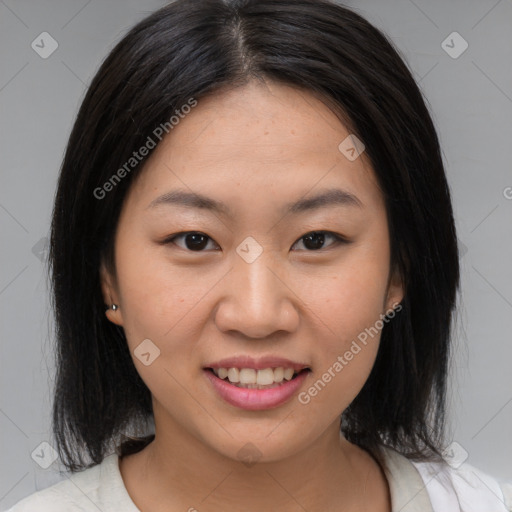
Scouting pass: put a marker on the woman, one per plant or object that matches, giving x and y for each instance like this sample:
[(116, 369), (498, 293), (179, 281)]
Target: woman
[(255, 191)]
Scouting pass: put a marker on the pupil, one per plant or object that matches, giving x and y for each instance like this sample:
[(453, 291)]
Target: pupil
[(198, 241), (317, 238)]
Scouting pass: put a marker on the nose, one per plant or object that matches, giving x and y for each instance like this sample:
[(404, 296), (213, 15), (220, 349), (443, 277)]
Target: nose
[(256, 300)]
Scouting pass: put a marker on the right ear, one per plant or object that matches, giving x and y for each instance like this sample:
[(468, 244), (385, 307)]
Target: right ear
[(110, 296)]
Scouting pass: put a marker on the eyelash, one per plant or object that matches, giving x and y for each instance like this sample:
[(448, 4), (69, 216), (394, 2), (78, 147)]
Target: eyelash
[(337, 238)]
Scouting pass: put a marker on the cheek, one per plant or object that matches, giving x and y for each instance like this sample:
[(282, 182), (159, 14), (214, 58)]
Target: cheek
[(351, 295), (161, 303), (348, 308), (157, 296), (351, 308)]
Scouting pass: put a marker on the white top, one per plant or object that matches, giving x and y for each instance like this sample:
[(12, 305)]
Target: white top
[(414, 487)]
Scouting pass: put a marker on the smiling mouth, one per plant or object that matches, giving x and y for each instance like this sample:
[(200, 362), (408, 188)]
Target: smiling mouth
[(250, 378)]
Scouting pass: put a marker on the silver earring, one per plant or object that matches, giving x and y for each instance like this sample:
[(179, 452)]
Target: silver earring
[(114, 307)]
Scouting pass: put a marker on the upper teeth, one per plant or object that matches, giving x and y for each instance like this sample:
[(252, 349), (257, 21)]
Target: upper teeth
[(252, 376)]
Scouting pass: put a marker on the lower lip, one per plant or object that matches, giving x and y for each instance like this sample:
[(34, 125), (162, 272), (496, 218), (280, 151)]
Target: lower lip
[(256, 399)]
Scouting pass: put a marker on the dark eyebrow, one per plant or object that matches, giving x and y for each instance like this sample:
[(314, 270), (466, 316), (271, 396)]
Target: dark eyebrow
[(191, 200), (326, 198)]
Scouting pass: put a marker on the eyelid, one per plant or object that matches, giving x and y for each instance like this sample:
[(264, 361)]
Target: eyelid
[(338, 239), (170, 239)]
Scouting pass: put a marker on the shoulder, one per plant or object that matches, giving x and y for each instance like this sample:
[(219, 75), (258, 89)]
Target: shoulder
[(99, 487), (455, 487), (465, 487)]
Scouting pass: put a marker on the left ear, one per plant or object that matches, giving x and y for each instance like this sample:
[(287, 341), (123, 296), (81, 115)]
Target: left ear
[(395, 290), (110, 296)]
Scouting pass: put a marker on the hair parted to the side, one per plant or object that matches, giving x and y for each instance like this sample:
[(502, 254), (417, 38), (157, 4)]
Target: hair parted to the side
[(190, 49)]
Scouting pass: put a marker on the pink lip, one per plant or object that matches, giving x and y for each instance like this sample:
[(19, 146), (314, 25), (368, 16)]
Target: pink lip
[(256, 399), (257, 364)]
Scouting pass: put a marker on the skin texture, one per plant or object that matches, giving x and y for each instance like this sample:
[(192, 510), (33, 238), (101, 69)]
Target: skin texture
[(255, 148)]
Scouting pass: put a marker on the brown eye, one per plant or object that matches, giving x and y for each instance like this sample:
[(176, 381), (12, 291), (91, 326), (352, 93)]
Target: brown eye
[(193, 240), (316, 239)]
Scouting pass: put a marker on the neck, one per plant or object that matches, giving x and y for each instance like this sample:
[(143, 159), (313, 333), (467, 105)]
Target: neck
[(179, 472)]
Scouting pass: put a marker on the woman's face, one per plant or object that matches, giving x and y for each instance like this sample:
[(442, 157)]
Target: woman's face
[(251, 280)]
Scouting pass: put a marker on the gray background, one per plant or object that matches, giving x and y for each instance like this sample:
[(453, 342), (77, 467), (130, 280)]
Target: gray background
[(470, 99)]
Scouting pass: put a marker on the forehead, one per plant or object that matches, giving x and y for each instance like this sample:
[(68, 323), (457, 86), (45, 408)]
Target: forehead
[(267, 140), (284, 121)]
